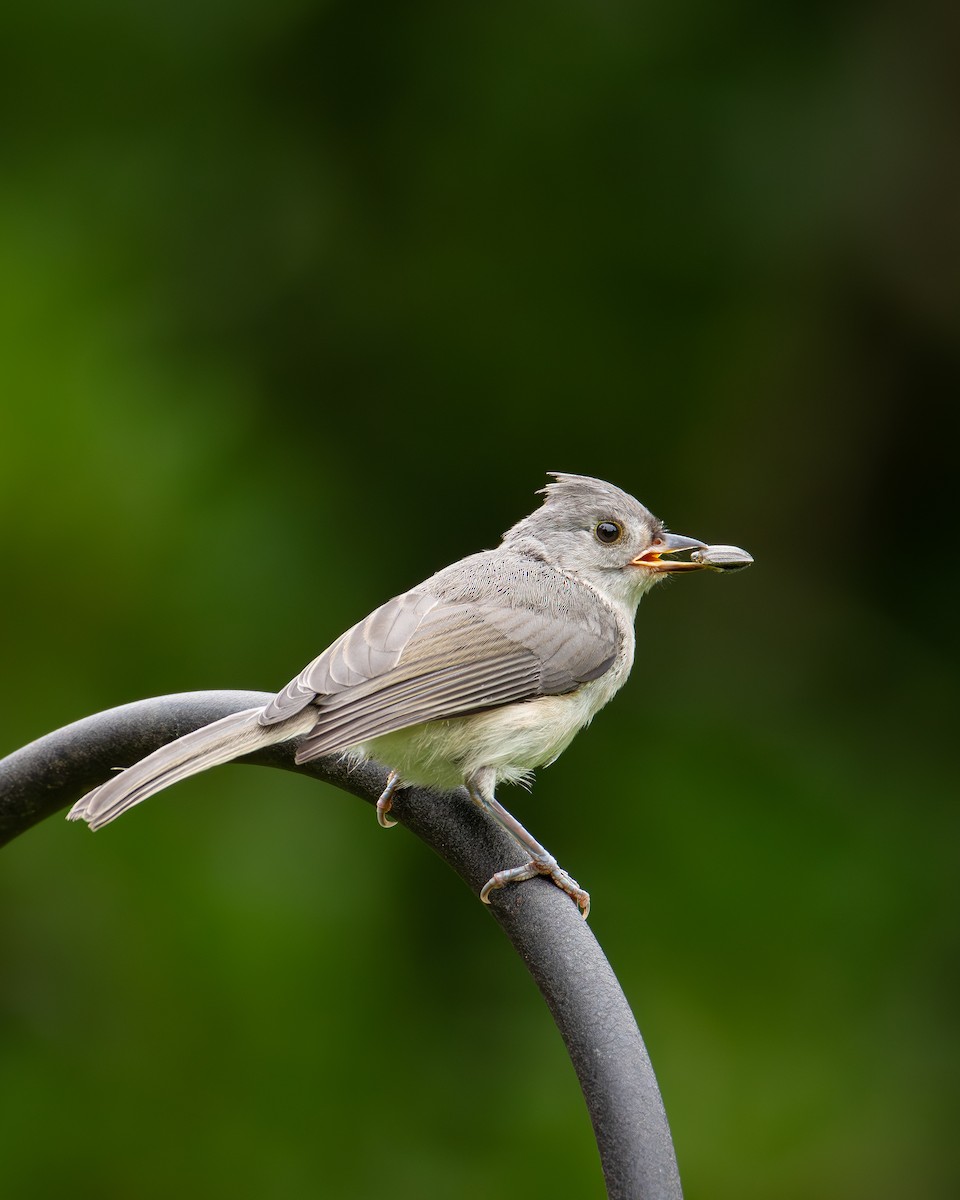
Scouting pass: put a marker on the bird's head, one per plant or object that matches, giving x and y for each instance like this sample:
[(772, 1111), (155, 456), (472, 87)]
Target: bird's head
[(592, 529)]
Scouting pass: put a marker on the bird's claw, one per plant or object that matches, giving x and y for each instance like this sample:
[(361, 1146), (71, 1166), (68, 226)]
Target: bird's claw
[(546, 866), (385, 803)]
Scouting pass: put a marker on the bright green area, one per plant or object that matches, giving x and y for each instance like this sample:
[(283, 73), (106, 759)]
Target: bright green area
[(300, 302)]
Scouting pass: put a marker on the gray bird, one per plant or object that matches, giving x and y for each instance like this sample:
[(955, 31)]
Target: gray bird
[(477, 676)]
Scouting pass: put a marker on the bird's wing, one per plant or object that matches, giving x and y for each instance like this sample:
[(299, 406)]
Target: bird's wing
[(466, 642)]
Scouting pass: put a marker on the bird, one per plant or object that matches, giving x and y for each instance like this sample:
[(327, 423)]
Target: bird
[(478, 676)]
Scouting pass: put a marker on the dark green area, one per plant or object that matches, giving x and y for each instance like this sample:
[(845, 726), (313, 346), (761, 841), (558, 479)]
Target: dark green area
[(299, 302)]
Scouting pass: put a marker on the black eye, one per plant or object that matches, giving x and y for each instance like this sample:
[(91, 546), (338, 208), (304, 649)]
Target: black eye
[(609, 532)]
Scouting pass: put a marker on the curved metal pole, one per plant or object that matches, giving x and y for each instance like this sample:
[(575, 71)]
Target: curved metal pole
[(546, 930)]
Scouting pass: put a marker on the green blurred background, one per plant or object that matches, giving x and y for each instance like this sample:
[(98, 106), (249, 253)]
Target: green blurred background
[(300, 301)]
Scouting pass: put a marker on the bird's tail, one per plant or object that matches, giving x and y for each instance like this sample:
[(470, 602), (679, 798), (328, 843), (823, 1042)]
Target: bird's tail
[(220, 742)]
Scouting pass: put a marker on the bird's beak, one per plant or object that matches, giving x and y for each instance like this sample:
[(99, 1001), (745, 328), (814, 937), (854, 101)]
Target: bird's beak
[(660, 555), (671, 552)]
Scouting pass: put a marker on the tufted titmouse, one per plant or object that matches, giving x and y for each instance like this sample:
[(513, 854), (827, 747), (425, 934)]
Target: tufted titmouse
[(479, 675)]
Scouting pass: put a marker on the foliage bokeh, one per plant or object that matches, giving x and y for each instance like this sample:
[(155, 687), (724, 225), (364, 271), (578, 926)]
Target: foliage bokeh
[(300, 302)]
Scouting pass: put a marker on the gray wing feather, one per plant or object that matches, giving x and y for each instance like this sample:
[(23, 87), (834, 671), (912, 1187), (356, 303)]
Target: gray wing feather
[(447, 693), (490, 631)]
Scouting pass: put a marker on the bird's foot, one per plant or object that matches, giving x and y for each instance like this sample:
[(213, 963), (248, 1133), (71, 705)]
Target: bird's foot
[(547, 865), (385, 803)]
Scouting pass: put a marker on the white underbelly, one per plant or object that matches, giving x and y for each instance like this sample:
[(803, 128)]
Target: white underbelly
[(510, 742)]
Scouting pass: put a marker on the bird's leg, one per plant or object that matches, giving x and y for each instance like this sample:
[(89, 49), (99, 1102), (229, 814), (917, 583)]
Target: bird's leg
[(385, 803), (541, 861)]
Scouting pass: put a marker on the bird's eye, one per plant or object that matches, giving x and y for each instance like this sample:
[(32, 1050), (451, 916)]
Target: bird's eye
[(609, 532)]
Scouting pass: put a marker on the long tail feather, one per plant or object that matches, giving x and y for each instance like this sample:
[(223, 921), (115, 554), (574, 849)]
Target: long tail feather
[(220, 742)]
